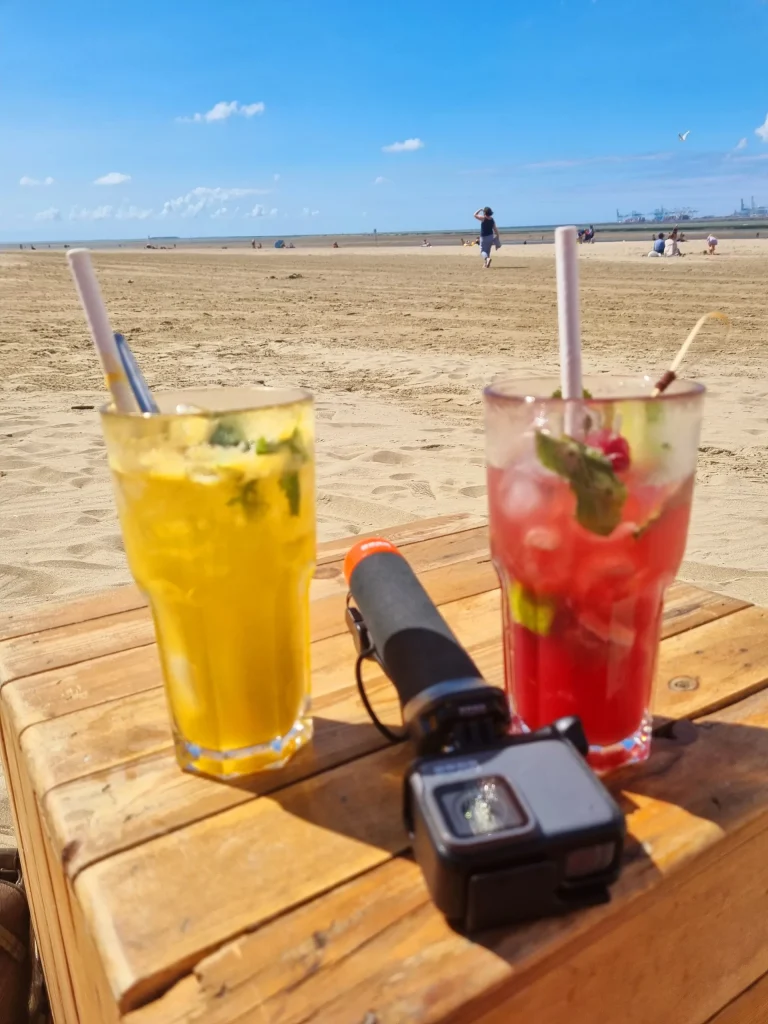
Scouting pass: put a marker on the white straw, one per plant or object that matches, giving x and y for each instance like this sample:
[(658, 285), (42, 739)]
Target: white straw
[(567, 268), (101, 333)]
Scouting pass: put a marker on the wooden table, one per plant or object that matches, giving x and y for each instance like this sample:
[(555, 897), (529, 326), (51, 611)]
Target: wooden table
[(159, 897)]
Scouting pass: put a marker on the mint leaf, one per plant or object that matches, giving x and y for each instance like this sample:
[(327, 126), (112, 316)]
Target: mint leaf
[(600, 495), (290, 486), (536, 614), (248, 497), (226, 434), (293, 444)]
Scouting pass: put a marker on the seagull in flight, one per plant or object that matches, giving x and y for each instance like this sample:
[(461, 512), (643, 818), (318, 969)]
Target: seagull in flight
[(683, 135)]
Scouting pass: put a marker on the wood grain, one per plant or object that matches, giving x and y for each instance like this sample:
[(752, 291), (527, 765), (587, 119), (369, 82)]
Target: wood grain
[(37, 618), (54, 647), (686, 931), (303, 857), (53, 615), (101, 883), (326, 919), (406, 535), (76, 764), (751, 1007), (75, 643)]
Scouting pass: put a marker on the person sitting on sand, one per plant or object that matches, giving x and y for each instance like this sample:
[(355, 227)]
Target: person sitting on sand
[(658, 245), (671, 248), (711, 245), (335, 245), (426, 244), (489, 233)]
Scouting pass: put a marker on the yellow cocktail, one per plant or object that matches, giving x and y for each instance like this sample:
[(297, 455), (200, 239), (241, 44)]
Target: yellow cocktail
[(216, 501)]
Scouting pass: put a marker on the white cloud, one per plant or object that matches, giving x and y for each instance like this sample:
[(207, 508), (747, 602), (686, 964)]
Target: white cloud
[(380, 180), (50, 214), (403, 147), (762, 131), (315, 213), (223, 110), (742, 144), (113, 178), (132, 213), (257, 211), (306, 211), (98, 213), (275, 177), (273, 212), (31, 182), (221, 212), (203, 197)]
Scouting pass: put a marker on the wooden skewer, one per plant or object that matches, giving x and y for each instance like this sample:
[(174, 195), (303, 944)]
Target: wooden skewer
[(671, 374)]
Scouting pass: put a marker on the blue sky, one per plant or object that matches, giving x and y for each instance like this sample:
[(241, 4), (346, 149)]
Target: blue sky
[(274, 116)]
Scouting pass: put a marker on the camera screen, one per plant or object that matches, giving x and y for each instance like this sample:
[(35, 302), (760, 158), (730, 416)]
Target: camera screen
[(480, 807)]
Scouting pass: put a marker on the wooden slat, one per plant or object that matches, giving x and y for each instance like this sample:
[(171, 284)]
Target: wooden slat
[(53, 615), (751, 1007), (302, 858), (113, 778), (74, 686), (61, 646), (69, 645), (405, 535), (728, 658), (686, 607), (82, 746), (698, 822)]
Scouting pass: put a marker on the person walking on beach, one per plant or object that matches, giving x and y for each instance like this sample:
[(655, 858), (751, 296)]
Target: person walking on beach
[(489, 233)]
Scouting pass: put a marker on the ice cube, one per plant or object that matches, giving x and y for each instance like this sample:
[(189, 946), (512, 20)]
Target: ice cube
[(521, 493), (543, 538), (608, 630)]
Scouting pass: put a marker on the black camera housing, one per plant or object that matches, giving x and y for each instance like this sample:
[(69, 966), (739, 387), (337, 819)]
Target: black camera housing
[(555, 843)]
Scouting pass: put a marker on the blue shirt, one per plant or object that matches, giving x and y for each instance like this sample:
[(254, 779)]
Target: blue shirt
[(658, 245)]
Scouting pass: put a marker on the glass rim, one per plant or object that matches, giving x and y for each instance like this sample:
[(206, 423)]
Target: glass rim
[(684, 388), (293, 396)]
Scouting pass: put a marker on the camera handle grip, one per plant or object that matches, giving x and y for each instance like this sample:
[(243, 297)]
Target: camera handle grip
[(411, 640)]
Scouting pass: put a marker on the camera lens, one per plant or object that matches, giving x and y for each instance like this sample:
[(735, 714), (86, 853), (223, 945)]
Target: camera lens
[(480, 807)]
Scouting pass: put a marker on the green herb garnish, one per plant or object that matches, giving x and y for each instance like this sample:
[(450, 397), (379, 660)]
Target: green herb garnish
[(536, 614), (290, 486), (293, 444), (249, 498), (226, 434), (600, 495)]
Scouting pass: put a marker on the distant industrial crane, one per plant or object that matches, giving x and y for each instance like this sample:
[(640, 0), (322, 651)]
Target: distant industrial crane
[(630, 218)]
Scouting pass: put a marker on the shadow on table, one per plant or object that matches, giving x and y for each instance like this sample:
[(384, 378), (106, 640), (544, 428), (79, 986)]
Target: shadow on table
[(715, 769)]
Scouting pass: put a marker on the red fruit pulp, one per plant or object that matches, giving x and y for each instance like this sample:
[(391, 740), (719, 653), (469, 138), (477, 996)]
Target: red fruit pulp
[(594, 654)]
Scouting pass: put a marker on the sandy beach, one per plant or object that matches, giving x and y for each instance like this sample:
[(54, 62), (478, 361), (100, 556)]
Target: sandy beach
[(396, 346)]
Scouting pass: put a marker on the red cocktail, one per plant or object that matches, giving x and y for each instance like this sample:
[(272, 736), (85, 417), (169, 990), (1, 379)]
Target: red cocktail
[(588, 528)]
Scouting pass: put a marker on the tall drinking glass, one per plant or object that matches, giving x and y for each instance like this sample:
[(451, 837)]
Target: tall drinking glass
[(217, 507), (589, 508)]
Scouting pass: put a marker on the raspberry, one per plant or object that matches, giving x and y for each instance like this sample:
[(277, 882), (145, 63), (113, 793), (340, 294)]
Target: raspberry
[(613, 446)]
